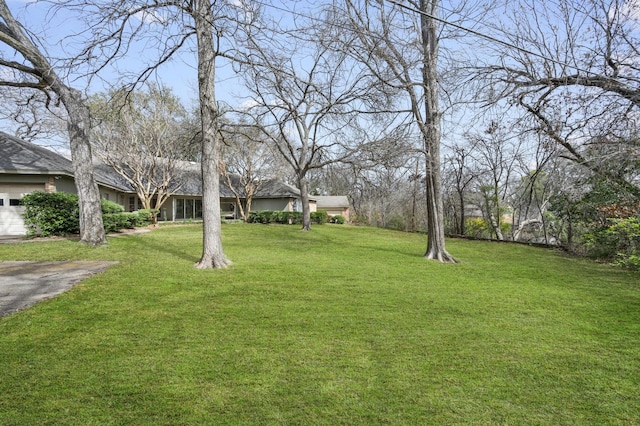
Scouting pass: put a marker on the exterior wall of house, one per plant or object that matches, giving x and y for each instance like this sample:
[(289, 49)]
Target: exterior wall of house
[(275, 204), (66, 184), (281, 204), (112, 195), (15, 186), (24, 179), (334, 205), (50, 183)]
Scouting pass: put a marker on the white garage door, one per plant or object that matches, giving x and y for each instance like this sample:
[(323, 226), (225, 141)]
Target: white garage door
[(11, 222)]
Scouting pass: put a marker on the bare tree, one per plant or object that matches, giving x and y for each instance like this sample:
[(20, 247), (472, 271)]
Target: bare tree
[(462, 172), (532, 198), (383, 36), (306, 97), (383, 170), (500, 159), (572, 68), (246, 165), (36, 72), (141, 136), (32, 118)]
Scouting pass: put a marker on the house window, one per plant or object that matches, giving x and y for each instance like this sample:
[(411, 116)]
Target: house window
[(198, 208), (133, 206), (179, 208), (105, 196), (1, 202), (14, 202), (188, 208)]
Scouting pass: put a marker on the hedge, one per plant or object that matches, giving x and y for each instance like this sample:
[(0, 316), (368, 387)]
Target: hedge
[(286, 218), (57, 213)]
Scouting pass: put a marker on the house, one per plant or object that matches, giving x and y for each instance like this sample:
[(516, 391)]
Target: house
[(186, 201), (334, 205), (26, 167)]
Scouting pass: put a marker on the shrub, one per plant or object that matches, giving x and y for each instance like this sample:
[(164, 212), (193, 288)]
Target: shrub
[(628, 261), (396, 222), (281, 217), (263, 216), (477, 228), (620, 241), (360, 220), (506, 228), (113, 222), (338, 219), (294, 218), (109, 207), (58, 214), (287, 218), (145, 216), (48, 214), (319, 217)]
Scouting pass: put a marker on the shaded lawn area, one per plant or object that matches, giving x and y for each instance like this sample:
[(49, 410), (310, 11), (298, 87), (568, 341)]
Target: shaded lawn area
[(341, 325)]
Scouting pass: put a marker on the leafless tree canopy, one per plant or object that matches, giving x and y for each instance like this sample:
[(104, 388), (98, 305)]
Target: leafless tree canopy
[(308, 99), (247, 163), (572, 68), (142, 136)]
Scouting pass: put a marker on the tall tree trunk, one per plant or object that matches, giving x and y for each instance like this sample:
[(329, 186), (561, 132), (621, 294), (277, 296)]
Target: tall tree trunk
[(78, 125), (303, 185), (463, 219), (91, 225), (212, 254), (435, 209)]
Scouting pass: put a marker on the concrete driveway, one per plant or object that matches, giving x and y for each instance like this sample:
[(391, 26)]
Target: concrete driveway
[(23, 284)]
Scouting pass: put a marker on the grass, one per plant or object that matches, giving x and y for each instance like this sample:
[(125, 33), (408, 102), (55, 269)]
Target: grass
[(341, 325)]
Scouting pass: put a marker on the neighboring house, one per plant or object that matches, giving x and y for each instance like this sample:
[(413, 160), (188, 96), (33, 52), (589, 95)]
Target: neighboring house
[(334, 205), (26, 167)]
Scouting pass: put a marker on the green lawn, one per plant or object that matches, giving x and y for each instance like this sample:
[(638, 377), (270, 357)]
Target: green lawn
[(341, 325)]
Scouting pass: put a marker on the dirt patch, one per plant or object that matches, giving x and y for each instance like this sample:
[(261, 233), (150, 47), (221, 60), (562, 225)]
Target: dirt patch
[(23, 284)]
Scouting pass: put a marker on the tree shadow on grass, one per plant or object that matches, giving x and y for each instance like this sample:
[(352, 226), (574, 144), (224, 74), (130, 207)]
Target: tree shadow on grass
[(151, 243)]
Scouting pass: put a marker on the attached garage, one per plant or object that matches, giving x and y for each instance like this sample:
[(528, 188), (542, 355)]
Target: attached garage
[(11, 222)]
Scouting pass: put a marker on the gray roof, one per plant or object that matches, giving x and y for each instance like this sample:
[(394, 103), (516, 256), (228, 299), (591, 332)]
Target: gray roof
[(21, 156), (105, 175), (272, 188), (332, 201)]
